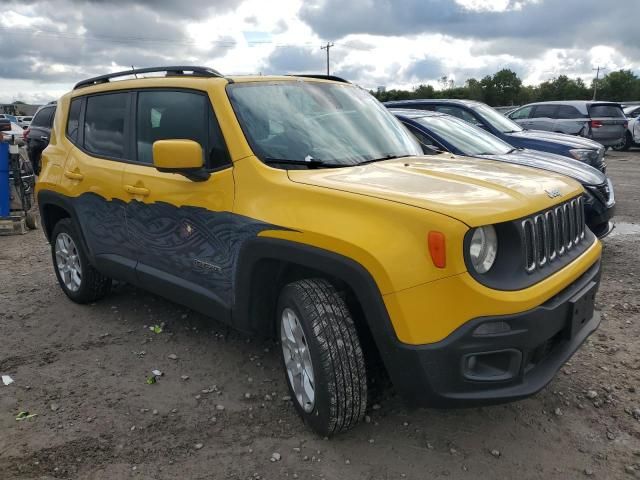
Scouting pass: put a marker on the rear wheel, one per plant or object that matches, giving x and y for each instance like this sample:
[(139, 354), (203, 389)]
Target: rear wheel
[(79, 280), (626, 143), (322, 356)]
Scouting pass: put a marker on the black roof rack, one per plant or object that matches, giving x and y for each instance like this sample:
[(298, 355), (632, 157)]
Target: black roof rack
[(322, 77), (170, 71)]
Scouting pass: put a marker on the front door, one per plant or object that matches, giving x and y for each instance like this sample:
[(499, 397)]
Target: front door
[(181, 228)]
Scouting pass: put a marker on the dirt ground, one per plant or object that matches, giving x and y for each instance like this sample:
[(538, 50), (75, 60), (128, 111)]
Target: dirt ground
[(220, 409)]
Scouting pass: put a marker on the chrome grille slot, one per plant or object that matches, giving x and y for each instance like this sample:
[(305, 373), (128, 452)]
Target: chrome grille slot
[(552, 233)]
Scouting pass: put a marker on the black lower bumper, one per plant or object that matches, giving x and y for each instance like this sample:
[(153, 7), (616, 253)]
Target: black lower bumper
[(514, 357)]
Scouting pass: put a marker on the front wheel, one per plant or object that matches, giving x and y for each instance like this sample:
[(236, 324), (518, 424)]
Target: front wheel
[(322, 356)]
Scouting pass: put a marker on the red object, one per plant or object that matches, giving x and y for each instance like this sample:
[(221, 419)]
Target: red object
[(596, 123), (437, 249), (25, 134)]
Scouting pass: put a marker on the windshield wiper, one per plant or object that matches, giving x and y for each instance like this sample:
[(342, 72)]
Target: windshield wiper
[(312, 163), (386, 157)]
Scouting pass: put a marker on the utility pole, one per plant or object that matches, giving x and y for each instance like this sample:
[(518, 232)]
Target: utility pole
[(327, 47), (595, 84)]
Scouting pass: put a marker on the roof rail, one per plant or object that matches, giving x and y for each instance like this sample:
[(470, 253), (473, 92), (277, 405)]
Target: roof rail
[(170, 71), (322, 77)]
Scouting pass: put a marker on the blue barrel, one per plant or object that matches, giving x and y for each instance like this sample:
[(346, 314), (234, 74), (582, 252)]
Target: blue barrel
[(4, 180)]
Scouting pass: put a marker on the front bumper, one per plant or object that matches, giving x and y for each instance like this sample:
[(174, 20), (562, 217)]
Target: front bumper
[(508, 366)]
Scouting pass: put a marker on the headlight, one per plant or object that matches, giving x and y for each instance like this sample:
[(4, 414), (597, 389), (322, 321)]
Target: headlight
[(584, 154), (483, 248)]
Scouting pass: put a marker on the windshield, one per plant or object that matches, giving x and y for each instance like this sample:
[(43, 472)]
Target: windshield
[(497, 120), (467, 138), (326, 122)]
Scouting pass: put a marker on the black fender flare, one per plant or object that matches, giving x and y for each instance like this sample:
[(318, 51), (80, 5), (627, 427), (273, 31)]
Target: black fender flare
[(352, 273), (46, 198)]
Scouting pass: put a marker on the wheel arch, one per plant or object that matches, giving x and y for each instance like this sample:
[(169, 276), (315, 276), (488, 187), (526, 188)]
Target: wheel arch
[(265, 265), (54, 207)]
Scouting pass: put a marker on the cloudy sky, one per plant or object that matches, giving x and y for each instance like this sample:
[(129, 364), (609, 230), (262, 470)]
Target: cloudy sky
[(47, 45)]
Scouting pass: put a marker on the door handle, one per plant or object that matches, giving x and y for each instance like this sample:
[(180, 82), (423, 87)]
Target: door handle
[(73, 175), (136, 190), (44, 139)]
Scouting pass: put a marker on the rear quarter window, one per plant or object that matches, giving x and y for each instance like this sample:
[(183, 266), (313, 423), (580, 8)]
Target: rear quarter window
[(44, 118), (607, 111)]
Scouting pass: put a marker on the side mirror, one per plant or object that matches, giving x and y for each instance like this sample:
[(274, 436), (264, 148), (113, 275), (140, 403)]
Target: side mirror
[(180, 156)]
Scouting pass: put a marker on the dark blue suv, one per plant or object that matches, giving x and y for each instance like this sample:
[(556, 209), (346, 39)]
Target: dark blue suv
[(484, 116)]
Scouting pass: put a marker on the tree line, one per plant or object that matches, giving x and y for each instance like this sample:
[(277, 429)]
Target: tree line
[(505, 88)]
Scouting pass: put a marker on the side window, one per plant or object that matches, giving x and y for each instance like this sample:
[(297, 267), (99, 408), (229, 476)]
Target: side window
[(163, 115), (422, 138), (545, 111), (73, 122), (568, 112), (521, 114), (457, 112), (104, 124)]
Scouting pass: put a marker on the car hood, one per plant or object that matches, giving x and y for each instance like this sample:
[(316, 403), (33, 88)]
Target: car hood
[(571, 141), (475, 191), (585, 174)]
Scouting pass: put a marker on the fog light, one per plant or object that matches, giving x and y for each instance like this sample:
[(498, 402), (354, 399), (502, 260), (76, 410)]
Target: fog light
[(492, 366), (492, 328)]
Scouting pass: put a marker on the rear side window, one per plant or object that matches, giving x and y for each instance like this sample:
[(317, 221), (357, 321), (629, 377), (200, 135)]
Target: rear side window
[(163, 115), (568, 112), (44, 118), (73, 122), (545, 111), (105, 123), (607, 111)]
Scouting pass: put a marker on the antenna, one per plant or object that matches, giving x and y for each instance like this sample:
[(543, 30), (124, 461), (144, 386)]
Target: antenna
[(134, 71)]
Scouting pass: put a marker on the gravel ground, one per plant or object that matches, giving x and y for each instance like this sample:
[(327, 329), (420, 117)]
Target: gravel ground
[(220, 409)]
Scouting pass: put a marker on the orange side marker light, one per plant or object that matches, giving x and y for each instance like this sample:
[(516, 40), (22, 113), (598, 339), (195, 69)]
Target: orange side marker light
[(437, 249)]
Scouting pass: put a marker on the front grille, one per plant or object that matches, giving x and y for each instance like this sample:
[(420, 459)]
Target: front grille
[(553, 233), (603, 192)]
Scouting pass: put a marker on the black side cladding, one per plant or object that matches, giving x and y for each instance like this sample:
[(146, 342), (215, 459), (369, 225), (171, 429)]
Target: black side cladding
[(197, 245)]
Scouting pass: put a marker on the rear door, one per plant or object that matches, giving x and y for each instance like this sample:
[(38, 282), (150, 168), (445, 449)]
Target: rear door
[(608, 123), (543, 117), (182, 230), (98, 126), (39, 133), (571, 121)]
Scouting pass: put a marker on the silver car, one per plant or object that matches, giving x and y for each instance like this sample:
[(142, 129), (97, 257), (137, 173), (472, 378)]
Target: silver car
[(603, 122)]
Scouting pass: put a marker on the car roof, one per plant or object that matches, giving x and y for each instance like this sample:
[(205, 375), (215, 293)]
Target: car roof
[(414, 114), (575, 103), (450, 101)]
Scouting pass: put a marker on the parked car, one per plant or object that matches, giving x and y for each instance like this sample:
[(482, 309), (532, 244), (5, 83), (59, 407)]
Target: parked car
[(24, 122), (603, 122), (303, 209), (11, 118), (15, 132), (484, 116), (450, 134), (38, 133), (632, 113)]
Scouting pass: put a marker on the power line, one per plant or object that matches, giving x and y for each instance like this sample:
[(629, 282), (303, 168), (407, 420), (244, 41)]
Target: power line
[(327, 47), (595, 84)]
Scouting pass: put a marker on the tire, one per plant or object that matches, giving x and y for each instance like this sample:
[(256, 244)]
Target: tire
[(31, 219), (334, 351), (90, 285), (625, 145)]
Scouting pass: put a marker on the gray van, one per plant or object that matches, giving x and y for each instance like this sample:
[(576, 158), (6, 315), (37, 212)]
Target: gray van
[(603, 122)]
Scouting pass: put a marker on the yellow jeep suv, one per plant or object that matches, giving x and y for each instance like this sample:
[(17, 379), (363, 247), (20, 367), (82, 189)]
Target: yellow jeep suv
[(299, 207)]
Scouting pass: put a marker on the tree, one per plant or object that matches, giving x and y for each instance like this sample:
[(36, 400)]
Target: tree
[(619, 86), (507, 86)]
